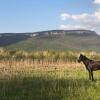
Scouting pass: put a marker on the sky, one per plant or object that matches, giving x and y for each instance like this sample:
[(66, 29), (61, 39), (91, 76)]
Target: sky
[(41, 15)]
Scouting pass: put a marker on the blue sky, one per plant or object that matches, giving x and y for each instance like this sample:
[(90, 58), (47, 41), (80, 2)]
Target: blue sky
[(39, 15)]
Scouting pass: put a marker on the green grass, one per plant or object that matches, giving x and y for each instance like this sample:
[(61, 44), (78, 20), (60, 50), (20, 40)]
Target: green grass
[(50, 85)]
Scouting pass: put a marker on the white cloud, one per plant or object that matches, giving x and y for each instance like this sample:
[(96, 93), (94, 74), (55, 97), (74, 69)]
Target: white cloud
[(71, 27), (77, 17), (76, 27), (80, 16), (97, 15), (97, 1), (65, 16), (83, 21)]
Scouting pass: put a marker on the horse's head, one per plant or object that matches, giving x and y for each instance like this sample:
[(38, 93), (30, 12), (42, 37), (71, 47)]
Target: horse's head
[(81, 57)]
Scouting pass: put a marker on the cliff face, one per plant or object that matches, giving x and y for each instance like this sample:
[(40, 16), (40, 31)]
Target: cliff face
[(65, 32), (50, 32)]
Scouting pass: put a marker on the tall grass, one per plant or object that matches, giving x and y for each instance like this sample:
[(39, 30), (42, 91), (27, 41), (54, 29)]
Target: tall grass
[(46, 75), (49, 84), (54, 56)]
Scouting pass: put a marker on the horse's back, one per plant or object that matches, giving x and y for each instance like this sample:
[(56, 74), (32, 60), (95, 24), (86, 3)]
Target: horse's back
[(95, 65)]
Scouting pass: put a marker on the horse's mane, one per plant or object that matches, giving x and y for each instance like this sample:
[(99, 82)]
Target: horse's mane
[(87, 58)]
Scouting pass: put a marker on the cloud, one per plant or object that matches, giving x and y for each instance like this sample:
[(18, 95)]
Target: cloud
[(76, 27), (80, 16), (89, 21), (65, 16), (71, 27), (82, 21), (97, 14), (97, 1)]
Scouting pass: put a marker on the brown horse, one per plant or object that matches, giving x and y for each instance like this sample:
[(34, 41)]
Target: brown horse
[(90, 65)]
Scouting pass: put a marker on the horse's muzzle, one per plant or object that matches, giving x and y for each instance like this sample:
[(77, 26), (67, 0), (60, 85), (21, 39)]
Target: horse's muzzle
[(78, 60)]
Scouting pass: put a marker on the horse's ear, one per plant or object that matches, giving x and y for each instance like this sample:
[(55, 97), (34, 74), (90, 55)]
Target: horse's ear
[(81, 55)]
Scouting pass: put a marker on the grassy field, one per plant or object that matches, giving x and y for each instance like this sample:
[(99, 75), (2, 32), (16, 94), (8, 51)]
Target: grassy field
[(25, 80)]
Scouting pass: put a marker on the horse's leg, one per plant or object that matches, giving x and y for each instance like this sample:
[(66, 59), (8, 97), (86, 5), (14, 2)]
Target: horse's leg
[(92, 75), (89, 75)]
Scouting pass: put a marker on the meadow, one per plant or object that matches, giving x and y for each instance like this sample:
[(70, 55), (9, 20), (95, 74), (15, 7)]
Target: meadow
[(41, 78)]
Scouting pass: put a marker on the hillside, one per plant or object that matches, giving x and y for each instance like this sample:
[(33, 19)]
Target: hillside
[(52, 40), (11, 38)]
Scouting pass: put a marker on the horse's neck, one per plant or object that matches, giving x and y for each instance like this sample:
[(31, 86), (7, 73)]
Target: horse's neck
[(86, 62)]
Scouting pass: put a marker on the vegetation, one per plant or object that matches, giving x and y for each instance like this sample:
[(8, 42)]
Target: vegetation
[(46, 75), (28, 81), (49, 55), (60, 43), (11, 38)]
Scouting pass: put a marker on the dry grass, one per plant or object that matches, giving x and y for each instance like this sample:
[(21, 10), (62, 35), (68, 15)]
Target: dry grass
[(28, 80), (29, 65)]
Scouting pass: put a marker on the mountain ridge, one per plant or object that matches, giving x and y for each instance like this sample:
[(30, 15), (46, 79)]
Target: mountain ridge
[(52, 40), (59, 31)]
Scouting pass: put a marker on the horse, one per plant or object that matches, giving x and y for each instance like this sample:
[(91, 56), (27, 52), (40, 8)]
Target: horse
[(90, 65)]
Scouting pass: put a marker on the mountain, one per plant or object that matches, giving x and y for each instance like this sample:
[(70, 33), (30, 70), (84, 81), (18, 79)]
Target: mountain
[(11, 38), (52, 40)]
